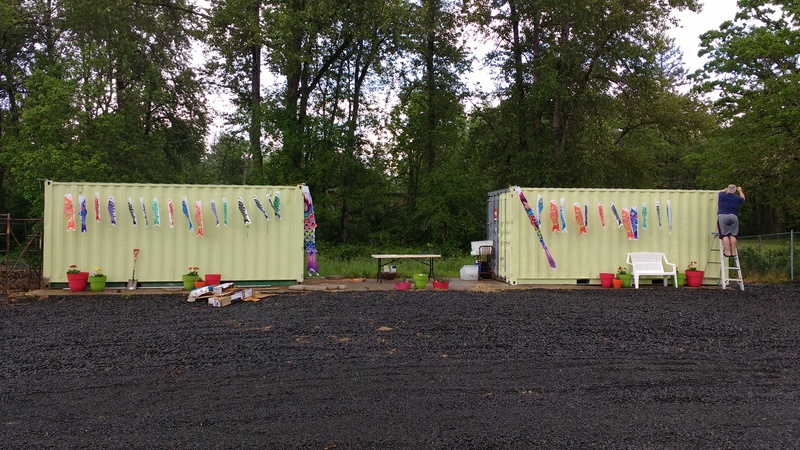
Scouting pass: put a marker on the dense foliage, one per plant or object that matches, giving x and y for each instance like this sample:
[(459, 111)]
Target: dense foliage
[(366, 102)]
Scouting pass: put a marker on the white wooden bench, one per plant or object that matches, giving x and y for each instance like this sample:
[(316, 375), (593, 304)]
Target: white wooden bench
[(651, 264)]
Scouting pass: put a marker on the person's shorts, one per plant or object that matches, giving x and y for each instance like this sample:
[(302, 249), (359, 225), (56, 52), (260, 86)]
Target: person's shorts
[(728, 225)]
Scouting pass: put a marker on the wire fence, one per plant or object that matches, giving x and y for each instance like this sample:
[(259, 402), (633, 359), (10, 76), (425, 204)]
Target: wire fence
[(768, 257)]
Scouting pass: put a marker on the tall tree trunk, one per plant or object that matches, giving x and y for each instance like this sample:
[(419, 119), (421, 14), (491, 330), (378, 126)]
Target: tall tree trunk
[(430, 86), (255, 97), (519, 82)]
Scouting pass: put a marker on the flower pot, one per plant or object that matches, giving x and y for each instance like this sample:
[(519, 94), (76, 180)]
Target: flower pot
[(402, 285), (626, 279), (420, 280), (617, 283), (681, 279), (77, 281), (605, 279), (199, 284), (441, 285), (188, 282), (694, 278), (97, 283), (213, 279)]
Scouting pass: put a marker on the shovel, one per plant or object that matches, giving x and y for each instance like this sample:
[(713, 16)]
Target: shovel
[(132, 283)]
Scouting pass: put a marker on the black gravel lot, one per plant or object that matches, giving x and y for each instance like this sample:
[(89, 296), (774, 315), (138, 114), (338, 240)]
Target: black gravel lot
[(539, 368)]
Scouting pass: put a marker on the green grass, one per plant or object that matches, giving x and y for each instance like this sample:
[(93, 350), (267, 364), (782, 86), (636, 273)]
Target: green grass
[(367, 267)]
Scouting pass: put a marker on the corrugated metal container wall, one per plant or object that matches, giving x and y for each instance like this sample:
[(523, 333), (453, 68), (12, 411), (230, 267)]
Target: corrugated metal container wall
[(265, 251), (520, 258)]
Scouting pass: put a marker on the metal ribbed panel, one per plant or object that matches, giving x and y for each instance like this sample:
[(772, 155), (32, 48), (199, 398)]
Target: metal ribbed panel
[(265, 251), (521, 259)]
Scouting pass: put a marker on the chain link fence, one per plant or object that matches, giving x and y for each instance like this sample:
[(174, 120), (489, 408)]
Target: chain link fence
[(768, 257)]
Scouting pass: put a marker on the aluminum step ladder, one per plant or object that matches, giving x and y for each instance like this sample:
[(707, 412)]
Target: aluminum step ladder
[(728, 266)]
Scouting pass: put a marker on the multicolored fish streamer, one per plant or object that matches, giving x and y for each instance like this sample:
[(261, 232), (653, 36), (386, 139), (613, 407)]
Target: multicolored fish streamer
[(626, 222), (214, 210), (554, 216), (84, 212), (658, 213), (185, 208), (602, 215), (309, 236), (198, 215), (563, 216), (144, 211), (260, 206), (616, 216), (69, 212), (644, 216), (243, 210), (535, 224), (275, 203), (635, 223), (133, 213), (112, 210), (579, 218), (225, 211), (171, 213), (97, 207), (669, 216), (156, 213)]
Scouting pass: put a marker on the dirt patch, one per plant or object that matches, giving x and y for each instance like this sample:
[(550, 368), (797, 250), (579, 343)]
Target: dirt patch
[(647, 368)]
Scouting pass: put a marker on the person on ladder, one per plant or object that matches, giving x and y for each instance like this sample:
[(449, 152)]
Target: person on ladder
[(727, 217)]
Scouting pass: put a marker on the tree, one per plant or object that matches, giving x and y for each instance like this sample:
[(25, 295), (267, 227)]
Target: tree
[(566, 67), (753, 66)]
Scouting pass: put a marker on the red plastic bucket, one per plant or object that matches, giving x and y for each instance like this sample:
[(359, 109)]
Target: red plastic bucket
[(213, 279), (606, 279)]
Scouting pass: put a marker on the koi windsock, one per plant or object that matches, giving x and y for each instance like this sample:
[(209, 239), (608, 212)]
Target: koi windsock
[(535, 224), (616, 216), (635, 223), (626, 222), (171, 212), (602, 215), (84, 212), (144, 210), (214, 210), (579, 218), (185, 208), (112, 210), (554, 216), (133, 213), (198, 216), (97, 207)]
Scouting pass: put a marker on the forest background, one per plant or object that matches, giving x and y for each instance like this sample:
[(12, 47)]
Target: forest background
[(365, 102)]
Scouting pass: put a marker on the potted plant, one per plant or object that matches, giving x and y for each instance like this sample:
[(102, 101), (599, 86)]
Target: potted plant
[(441, 283), (694, 277), (190, 277), (199, 282), (98, 280), (402, 284), (77, 280), (622, 274)]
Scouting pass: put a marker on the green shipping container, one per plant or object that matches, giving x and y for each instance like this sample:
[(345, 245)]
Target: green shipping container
[(680, 226), (263, 252)]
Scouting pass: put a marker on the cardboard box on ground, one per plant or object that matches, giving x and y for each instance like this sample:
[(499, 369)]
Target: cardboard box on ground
[(224, 294)]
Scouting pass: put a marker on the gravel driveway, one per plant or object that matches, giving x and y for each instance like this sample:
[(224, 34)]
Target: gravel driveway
[(547, 368)]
